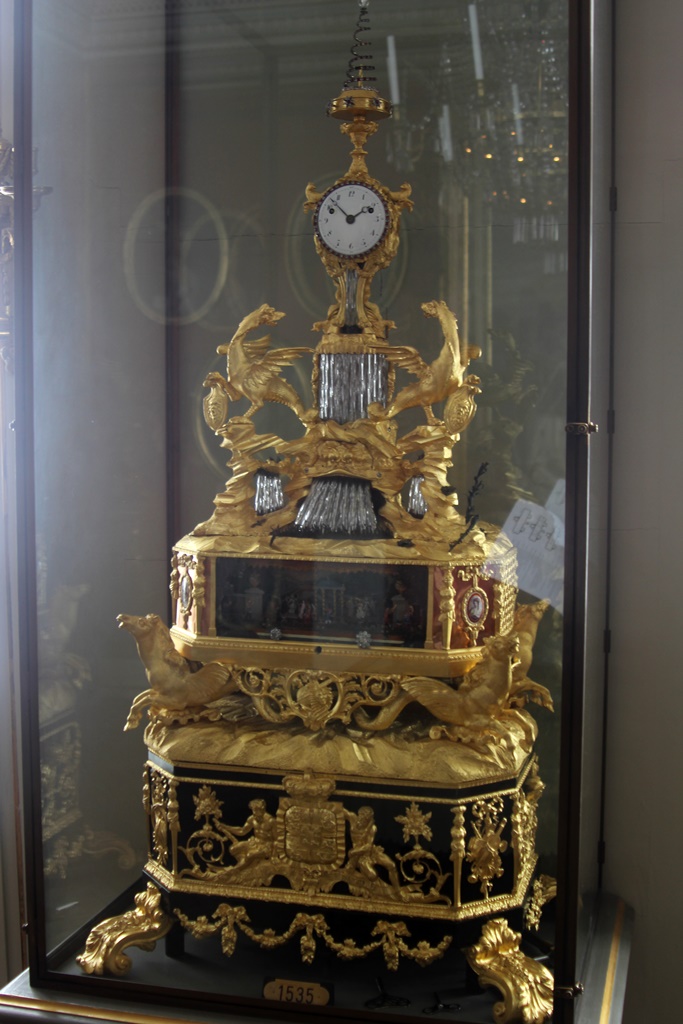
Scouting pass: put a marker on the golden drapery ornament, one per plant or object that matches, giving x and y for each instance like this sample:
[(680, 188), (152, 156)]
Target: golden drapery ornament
[(543, 890), (387, 936)]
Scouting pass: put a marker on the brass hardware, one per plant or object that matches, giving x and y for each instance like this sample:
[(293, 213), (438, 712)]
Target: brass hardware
[(570, 991), (581, 428)]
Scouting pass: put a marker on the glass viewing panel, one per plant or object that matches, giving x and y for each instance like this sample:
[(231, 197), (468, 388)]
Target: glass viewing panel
[(98, 121), (359, 607)]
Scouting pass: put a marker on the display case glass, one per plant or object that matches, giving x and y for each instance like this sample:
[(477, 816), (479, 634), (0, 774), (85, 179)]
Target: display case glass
[(362, 734)]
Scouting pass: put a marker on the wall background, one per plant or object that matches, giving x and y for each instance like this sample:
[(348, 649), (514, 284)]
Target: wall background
[(644, 829), (10, 897)]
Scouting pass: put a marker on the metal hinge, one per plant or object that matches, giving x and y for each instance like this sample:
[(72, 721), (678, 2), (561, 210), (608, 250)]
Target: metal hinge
[(569, 991), (581, 428)]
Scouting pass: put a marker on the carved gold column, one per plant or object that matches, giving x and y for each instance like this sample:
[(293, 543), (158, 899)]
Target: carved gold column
[(458, 835), (199, 590), (447, 607), (174, 586), (173, 817)]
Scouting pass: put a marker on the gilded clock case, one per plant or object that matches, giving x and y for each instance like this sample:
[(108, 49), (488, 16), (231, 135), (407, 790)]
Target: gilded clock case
[(138, 455)]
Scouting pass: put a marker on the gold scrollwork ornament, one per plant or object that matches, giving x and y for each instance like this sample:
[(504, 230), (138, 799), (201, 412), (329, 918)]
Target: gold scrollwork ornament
[(525, 985), (306, 842), (141, 927)]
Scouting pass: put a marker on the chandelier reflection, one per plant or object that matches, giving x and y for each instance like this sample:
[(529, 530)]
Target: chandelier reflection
[(496, 113)]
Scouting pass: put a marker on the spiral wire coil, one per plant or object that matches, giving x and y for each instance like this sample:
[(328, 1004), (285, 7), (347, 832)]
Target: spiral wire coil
[(356, 77)]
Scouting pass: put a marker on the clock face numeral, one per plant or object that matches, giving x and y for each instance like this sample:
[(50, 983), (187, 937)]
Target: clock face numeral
[(352, 219)]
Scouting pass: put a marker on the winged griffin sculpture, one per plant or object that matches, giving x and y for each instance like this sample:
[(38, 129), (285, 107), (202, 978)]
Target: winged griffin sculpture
[(442, 378), (253, 370)]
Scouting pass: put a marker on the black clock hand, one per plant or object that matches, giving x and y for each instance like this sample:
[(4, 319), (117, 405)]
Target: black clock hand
[(364, 209), (350, 217)]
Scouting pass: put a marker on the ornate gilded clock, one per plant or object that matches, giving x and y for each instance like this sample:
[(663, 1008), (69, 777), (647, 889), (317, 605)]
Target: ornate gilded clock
[(351, 234), (339, 749)]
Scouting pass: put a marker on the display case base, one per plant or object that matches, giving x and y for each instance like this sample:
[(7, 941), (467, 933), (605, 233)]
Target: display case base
[(197, 984)]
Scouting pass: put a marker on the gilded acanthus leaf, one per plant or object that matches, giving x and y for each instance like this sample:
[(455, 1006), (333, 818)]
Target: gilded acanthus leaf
[(526, 985)]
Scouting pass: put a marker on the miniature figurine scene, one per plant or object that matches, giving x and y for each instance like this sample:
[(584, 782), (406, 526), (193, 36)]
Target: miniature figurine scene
[(297, 601), (342, 759)]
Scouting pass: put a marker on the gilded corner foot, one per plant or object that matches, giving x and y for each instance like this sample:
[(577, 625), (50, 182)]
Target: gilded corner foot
[(141, 927), (526, 986)]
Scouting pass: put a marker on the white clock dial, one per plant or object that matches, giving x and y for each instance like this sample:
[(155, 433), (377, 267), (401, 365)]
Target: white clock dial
[(351, 219)]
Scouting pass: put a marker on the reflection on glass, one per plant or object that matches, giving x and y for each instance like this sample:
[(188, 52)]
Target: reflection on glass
[(480, 129), (99, 427)]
